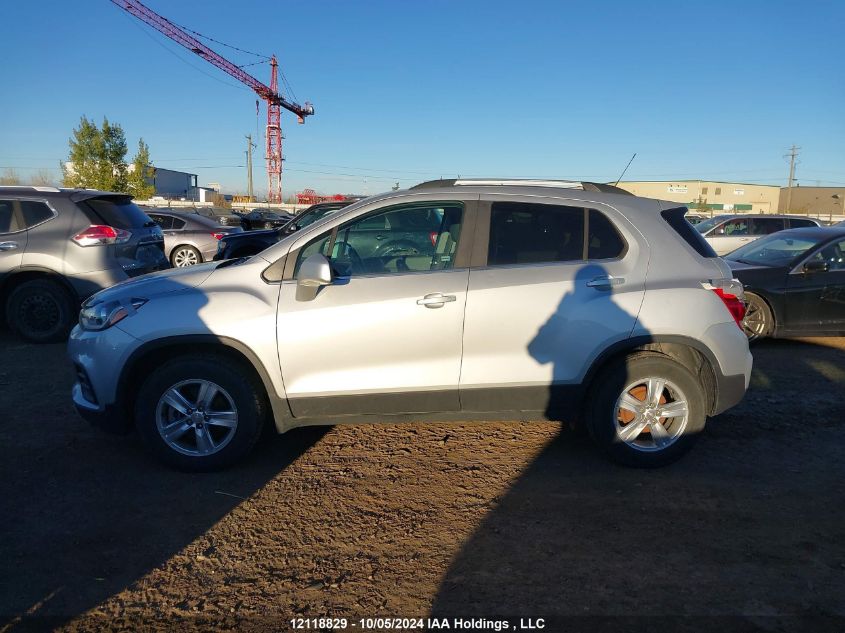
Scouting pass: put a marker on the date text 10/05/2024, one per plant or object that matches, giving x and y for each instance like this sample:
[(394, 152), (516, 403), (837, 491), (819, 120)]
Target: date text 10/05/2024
[(425, 624)]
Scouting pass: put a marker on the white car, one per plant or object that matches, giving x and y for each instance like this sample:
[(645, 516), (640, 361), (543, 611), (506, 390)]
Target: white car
[(726, 233)]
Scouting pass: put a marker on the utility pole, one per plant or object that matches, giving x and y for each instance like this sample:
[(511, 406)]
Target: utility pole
[(793, 153), (249, 146)]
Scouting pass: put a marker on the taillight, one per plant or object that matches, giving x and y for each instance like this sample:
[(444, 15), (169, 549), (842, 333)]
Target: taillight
[(731, 293), (98, 234), (433, 237), (218, 236)]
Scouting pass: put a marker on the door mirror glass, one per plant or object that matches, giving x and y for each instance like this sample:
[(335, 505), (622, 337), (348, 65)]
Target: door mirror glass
[(314, 273), (816, 266)]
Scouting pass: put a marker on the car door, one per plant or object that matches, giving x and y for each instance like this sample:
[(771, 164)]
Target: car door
[(816, 300), (542, 303), (730, 235), (385, 336), (12, 238)]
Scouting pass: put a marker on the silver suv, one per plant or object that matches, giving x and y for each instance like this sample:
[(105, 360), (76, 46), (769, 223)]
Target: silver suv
[(60, 246), (526, 300)]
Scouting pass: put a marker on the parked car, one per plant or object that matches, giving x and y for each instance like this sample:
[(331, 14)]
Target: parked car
[(538, 300), (220, 215), (794, 282), (252, 242), (726, 233), (60, 246), (263, 219), (189, 238)]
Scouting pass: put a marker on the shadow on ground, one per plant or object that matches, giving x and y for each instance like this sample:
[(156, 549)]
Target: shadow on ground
[(745, 530), (85, 514)]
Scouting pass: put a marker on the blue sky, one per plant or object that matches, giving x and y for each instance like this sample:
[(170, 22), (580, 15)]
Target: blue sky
[(406, 91)]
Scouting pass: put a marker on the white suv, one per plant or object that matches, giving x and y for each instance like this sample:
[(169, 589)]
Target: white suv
[(453, 300)]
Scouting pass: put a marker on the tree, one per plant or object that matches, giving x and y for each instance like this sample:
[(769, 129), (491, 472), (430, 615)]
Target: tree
[(42, 178), (10, 177), (141, 175), (97, 157)]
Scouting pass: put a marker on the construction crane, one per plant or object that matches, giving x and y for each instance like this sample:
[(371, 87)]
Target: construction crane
[(270, 94)]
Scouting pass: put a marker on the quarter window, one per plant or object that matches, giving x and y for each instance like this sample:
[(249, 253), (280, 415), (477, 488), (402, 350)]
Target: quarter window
[(178, 223), (603, 240), (34, 212)]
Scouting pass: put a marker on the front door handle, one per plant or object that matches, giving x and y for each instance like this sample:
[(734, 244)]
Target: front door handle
[(8, 246), (605, 283), (436, 300)]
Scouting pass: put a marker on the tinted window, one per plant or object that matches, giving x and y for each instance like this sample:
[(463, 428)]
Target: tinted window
[(766, 226), (178, 223), (690, 234), (738, 226), (8, 223), (164, 221), (603, 241), (522, 233), (121, 213), (34, 212)]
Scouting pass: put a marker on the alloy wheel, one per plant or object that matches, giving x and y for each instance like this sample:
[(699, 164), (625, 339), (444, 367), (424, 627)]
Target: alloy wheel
[(651, 414), (754, 323), (185, 257), (196, 417)]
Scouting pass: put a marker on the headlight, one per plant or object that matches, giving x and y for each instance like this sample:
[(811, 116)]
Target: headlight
[(103, 314)]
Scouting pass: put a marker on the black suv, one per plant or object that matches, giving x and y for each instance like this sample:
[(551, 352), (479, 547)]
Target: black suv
[(60, 246), (246, 244)]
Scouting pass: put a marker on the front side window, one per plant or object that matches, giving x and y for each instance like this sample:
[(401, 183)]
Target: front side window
[(833, 255), (525, 233), (733, 228), (415, 238), (34, 212)]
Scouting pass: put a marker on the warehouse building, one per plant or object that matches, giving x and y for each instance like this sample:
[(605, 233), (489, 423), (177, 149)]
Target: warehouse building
[(715, 196), (814, 201)]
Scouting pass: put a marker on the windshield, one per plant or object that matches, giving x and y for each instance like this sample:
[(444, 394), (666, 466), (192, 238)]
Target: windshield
[(309, 218), (774, 250), (706, 225)]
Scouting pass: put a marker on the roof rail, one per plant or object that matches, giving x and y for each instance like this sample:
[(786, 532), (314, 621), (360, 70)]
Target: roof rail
[(521, 182), (33, 187)]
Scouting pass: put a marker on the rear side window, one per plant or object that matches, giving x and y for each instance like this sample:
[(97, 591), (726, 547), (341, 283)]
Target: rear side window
[(675, 219), (522, 233), (164, 221), (8, 223), (34, 212), (178, 223), (765, 226), (121, 213)]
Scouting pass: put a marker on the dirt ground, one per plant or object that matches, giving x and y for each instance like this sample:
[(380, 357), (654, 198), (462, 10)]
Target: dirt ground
[(512, 520)]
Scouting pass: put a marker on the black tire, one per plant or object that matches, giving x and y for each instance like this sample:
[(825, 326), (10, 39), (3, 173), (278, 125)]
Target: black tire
[(759, 322), (245, 390), (41, 311), (603, 418), (183, 252)]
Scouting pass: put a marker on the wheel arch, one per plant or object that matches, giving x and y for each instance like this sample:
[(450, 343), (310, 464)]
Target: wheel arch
[(688, 352), (151, 354), (24, 274)]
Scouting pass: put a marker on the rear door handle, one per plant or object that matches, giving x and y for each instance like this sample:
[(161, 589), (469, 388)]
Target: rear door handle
[(605, 283), (436, 300), (8, 246)]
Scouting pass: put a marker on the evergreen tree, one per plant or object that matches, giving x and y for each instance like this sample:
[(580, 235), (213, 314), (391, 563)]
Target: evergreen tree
[(97, 157), (141, 176)]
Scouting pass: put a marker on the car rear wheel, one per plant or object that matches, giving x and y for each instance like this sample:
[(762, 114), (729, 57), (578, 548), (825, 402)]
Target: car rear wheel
[(759, 321), (200, 414), (185, 256), (646, 410), (41, 311)]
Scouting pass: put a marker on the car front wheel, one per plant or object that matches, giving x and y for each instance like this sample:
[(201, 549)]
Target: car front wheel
[(200, 414), (646, 410)]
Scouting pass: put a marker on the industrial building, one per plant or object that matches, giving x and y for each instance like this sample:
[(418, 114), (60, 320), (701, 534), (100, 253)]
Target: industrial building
[(815, 201), (714, 195)]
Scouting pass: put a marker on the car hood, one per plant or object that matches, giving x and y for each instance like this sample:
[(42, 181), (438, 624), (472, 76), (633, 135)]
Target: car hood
[(158, 283)]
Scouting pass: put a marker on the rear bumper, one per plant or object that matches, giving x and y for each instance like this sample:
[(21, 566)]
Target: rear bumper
[(733, 364)]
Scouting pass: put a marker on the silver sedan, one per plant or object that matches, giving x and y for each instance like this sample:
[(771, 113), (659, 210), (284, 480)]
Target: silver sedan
[(189, 238)]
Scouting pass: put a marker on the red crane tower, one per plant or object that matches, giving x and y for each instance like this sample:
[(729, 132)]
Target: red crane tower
[(270, 94)]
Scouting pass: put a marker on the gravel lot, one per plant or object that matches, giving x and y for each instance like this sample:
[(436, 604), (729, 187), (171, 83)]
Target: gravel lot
[(470, 520)]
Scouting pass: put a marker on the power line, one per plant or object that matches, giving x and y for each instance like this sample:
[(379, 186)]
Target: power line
[(211, 39)]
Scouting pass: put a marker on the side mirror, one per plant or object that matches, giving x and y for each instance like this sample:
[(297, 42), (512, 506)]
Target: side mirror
[(816, 266), (314, 273)]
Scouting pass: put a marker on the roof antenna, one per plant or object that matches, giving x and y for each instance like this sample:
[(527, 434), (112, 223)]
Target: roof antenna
[(626, 169)]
